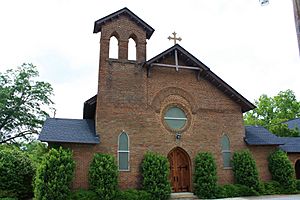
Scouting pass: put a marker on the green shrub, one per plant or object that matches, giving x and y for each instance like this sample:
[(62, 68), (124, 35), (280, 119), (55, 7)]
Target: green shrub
[(54, 175), (16, 174), (8, 198), (282, 170), (235, 190), (245, 171), (155, 172), (205, 177), (272, 187), (132, 194), (103, 176), (84, 195), (298, 185)]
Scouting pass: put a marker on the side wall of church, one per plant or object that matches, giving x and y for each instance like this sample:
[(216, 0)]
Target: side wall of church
[(261, 154)]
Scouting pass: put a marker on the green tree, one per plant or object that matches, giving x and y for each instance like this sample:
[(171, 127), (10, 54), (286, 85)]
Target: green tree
[(103, 176), (155, 170), (22, 104), (205, 176), (282, 170), (54, 175), (272, 111), (245, 170), (16, 173), (36, 151)]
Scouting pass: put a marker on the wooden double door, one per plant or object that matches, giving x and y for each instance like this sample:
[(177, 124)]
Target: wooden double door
[(180, 176)]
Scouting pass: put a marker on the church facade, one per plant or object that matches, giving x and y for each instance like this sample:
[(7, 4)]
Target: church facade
[(172, 104)]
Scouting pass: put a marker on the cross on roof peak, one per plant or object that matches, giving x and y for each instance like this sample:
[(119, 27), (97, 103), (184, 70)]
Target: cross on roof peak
[(174, 38)]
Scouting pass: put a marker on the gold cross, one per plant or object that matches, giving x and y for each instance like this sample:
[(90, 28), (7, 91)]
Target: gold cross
[(174, 38)]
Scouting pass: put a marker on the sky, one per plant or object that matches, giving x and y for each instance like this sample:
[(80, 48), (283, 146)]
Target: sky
[(251, 47)]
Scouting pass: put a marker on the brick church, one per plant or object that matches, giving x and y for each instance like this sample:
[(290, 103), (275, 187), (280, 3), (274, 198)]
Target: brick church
[(172, 104)]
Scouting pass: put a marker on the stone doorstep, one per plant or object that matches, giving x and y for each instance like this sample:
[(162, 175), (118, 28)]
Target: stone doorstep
[(183, 196)]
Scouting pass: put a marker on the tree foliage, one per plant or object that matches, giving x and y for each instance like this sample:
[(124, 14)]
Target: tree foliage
[(245, 170), (16, 173), (22, 103), (54, 176), (103, 176), (272, 111), (282, 170), (205, 177), (155, 173)]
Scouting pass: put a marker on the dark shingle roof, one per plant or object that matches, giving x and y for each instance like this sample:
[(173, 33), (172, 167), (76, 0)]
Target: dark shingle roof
[(69, 131), (258, 135), (125, 11), (293, 123)]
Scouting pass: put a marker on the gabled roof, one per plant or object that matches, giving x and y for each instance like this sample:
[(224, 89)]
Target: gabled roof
[(293, 123), (258, 135), (205, 73), (69, 131), (292, 145), (125, 11)]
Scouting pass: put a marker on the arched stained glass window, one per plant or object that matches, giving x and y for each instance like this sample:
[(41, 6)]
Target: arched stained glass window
[(225, 143), (123, 152)]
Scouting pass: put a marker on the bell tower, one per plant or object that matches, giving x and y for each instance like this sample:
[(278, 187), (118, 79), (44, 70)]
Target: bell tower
[(121, 82)]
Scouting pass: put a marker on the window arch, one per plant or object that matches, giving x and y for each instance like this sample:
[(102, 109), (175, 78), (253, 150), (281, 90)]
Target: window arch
[(131, 49), (226, 153), (113, 47), (123, 152)]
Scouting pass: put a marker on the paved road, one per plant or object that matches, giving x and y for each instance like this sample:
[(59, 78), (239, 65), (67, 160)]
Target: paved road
[(268, 197)]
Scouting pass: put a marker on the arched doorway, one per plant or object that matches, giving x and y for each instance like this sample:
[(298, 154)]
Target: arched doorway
[(180, 170), (297, 169)]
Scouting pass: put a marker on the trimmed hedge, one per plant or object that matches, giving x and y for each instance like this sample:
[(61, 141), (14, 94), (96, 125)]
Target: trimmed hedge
[(245, 170), (84, 195), (235, 190), (272, 187), (103, 176), (155, 172), (16, 174), (54, 175), (133, 194), (282, 170), (205, 177)]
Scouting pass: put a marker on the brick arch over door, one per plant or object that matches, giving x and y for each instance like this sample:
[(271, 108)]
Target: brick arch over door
[(164, 93), (180, 170)]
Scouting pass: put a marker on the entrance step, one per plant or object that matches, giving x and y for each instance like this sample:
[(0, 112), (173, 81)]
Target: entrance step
[(183, 196)]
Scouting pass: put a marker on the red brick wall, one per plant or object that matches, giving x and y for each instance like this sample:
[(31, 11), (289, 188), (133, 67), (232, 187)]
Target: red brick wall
[(261, 154)]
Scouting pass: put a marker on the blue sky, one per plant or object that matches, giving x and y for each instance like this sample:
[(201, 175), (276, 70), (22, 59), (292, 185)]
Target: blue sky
[(252, 48)]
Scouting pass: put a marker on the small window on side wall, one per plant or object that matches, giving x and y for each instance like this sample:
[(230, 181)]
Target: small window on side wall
[(123, 152), (226, 153)]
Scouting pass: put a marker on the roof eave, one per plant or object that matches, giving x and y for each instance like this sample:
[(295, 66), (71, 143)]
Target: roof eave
[(64, 141), (98, 24)]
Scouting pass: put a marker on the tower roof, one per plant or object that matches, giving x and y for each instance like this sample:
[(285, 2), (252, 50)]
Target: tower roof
[(125, 11)]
